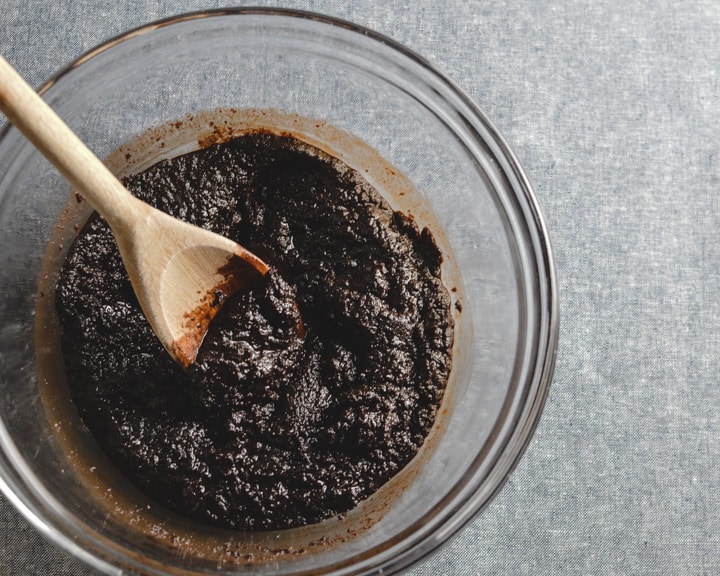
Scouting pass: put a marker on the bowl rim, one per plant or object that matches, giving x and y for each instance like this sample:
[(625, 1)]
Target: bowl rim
[(539, 377)]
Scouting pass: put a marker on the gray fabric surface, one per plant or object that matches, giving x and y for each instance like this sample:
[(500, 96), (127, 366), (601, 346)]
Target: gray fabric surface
[(613, 107)]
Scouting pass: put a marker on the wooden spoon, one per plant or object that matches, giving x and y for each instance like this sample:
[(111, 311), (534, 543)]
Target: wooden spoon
[(181, 274)]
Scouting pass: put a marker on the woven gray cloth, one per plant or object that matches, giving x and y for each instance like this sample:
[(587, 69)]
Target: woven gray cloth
[(613, 108)]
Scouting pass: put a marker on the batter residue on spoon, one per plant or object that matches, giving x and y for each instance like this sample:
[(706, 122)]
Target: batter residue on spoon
[(312, 389)]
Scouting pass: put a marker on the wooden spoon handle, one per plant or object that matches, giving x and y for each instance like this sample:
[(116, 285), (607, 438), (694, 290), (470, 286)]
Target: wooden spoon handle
[(46, 130)]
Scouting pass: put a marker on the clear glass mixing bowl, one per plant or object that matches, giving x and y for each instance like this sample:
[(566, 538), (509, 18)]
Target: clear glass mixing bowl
[(466, 184)]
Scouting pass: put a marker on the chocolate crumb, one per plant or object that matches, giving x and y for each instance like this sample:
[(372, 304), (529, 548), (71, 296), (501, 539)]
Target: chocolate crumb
[(311, 389)]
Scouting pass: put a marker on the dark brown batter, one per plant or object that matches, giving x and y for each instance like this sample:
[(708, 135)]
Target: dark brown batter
[(311, 390)]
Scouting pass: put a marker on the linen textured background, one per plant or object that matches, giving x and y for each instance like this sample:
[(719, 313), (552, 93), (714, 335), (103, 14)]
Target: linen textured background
[(613, 108)]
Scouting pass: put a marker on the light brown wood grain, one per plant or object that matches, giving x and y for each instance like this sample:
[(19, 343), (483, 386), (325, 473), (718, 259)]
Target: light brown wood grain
[(181, 274)]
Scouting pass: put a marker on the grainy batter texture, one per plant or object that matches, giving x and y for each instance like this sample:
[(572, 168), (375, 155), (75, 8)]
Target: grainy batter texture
[(312, 389)]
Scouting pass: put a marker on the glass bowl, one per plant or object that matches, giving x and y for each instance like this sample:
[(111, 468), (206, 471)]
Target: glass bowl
[(163, 89)]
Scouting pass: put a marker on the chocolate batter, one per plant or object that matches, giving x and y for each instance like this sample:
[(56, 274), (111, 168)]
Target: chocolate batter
[(312, 389)]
